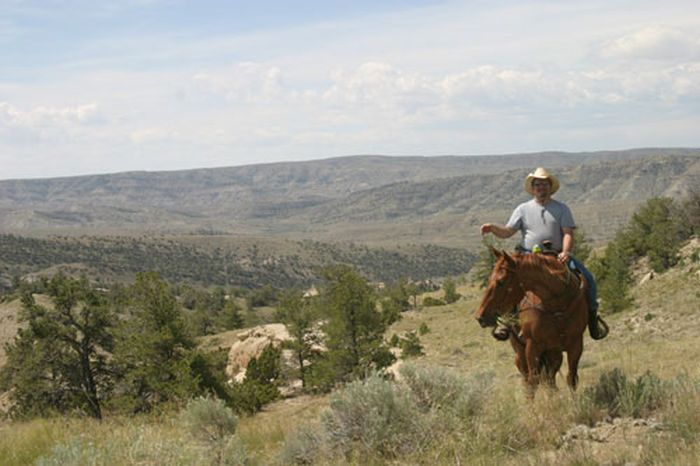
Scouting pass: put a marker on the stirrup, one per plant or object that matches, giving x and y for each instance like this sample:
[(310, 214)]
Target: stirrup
[(599, 329)]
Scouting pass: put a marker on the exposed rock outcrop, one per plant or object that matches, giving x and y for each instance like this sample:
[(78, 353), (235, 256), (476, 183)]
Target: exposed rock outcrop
[(251, 344)]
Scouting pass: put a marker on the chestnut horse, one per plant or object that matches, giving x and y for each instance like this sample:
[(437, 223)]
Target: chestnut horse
[(552, 314)]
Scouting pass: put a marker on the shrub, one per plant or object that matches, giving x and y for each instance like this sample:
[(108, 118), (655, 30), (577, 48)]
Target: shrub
[(619, 396), (681, 415), (394, 341), (410, 346), (140, 445), (430, 301), (264, 296), (423, 329), (374, 417), (71, 453), (437, 388), (304, 446), (209, 419)]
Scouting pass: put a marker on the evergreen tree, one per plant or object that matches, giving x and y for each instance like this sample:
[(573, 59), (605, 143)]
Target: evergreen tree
[(298, 314), (450, 290), (202, 320), (355, 328), (410, 346), (412, 290), (395, 301), (486, 262), (261, 382), (657, 230), (154, 350), (582, 250), (57, 362), (230, 317), (612, 272), (691, 206)]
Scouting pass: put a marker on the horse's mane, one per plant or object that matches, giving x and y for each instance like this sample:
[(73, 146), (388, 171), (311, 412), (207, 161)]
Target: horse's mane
[(546, 262)]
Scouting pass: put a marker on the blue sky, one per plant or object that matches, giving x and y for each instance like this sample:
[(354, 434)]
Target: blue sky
[(97, 86)]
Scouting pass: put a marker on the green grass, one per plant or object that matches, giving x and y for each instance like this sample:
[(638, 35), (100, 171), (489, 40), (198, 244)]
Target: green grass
[(23, 442)]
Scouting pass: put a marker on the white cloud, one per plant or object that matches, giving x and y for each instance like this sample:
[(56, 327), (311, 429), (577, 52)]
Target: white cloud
[(375, 82), (655, 43), (246, 81), (43, 116)]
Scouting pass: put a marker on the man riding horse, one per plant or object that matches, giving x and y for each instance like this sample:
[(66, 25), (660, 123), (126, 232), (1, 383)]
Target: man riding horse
[(543, 220)]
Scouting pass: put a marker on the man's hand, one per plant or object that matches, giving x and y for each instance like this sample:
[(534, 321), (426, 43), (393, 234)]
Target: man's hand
[(564, 256), (500, 231)]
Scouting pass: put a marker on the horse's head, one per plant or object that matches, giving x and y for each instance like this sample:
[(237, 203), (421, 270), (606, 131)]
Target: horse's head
[(503, 291)]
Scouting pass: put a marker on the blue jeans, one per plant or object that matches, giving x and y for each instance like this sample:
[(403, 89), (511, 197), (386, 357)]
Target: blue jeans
[(592, 287)]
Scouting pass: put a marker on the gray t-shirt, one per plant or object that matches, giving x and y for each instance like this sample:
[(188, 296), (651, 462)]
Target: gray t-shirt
[(538, 223)]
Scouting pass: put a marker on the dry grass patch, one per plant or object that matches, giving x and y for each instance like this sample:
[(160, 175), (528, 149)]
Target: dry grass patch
[(265, 433)]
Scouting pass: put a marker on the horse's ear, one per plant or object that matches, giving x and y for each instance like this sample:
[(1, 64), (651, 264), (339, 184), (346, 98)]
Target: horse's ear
[(496, 252)]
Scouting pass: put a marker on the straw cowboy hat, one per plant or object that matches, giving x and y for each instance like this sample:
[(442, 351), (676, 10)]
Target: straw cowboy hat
[(541, 174)]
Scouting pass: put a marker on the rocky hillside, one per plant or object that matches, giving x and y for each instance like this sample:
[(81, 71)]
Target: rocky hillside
[(594, 183), (293, 199)]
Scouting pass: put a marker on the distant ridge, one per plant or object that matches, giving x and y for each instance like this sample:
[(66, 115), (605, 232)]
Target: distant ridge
[(361, 198)]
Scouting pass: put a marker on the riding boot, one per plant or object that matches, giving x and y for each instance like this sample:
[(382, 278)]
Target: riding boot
[(597, 327)]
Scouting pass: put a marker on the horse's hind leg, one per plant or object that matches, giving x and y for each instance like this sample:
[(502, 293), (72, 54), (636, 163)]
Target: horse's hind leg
[(573, 356), (552, 363)]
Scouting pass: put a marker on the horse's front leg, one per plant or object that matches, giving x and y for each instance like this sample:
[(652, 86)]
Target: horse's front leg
[(573, 356), (520, 360), (532, 356)]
